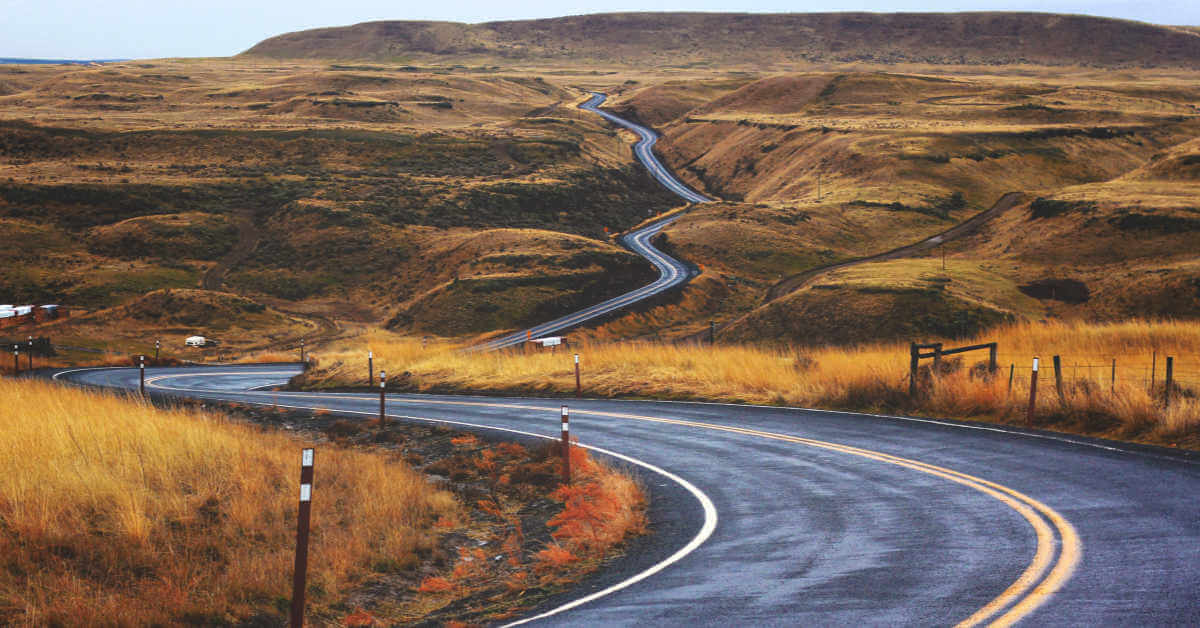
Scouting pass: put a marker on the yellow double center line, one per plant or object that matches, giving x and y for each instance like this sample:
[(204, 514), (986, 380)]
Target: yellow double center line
[(1058, 545)]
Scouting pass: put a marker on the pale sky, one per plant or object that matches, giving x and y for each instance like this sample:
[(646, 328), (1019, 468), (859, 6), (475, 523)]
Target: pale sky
[(138, 29)]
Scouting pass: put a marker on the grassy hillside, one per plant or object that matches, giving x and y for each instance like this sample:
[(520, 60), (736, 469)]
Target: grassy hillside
[(761, 40), (820, 168), (327, 191), (185, 517)]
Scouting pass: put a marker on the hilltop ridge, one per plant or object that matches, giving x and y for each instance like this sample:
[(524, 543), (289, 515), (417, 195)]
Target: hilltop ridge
[(762, 40)]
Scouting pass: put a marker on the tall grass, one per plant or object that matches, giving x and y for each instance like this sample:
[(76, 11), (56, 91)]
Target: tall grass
[(115, 512), (866, 377)]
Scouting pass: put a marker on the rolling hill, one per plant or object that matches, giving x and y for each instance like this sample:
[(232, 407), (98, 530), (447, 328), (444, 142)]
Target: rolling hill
[(758, 40)]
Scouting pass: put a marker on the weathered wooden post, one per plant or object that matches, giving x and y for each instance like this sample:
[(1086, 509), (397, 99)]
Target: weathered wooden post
[(1153, 368), (1112, 385), (1170, 380), (914, 361), (937, 358), (1033, 382), (993, 349), (1012, 369), (1058, 377)]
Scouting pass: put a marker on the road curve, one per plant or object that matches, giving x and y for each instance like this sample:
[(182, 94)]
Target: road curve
[(785, 516), (671, 272)]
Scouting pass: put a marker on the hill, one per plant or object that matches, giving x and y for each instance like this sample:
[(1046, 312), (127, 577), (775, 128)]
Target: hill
[(819, 168), (757, 40)]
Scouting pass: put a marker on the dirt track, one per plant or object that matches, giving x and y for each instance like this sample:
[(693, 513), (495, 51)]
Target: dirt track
[(248, 236), (793, 283)]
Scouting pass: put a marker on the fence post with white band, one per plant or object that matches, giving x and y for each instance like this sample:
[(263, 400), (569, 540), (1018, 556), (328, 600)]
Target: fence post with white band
[(300, 573), (566, 445), (382, 391), (578, 385)]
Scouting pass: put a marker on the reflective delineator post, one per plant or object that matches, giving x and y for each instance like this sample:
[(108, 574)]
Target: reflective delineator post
[(382, 390), (370, 367), (566, 445), (142, 375), (578, 383), (302, 350), (300, 572), (156, 347), (31, 353), (16, 360), (1032, 394)]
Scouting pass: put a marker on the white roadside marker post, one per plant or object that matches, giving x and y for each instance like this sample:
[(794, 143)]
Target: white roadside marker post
[(578, 384), (382, 391), (566, 445), (300, 571)]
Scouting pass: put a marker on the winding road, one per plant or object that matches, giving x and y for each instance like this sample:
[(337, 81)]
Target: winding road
[(785, 516), (671, 272)]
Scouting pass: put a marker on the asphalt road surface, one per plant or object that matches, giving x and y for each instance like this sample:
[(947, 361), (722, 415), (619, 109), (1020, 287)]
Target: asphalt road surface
[(671, 272), (773, 516)]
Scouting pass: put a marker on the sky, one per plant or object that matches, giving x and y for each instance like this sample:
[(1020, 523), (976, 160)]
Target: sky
[(140, 29)]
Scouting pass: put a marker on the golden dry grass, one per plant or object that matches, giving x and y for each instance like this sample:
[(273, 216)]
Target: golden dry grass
[(114, 512), (601, 508), (865, 377)]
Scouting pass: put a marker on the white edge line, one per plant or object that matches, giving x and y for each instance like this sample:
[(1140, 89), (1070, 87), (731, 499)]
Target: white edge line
[(706, 530)]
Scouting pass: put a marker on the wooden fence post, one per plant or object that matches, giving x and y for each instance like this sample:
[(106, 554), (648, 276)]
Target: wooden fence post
[(1032, 394), (1012, 370), (1058, 377), (1170, 380), (937, 358), (1153, 368), (992, 365), (913, 363)]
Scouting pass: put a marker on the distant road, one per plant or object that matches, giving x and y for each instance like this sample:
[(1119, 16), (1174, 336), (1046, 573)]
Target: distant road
[(671, 272)]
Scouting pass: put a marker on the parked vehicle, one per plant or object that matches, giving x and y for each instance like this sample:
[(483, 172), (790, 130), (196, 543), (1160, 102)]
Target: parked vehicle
[(195, 341)]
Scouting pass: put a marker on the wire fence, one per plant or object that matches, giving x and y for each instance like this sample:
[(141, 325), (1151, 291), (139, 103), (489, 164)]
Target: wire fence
[(1147, 373)]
